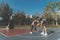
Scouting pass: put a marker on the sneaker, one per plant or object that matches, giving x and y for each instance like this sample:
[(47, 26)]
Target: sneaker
[(42, 33), (45, 34), (30, 32)]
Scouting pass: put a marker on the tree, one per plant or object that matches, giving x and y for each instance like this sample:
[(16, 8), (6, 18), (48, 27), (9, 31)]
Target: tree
[(50, 11), (6, 13), (58, 5), (20, 18)]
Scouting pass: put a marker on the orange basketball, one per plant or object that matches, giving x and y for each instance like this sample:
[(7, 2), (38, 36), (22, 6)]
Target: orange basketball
[(38, 25)]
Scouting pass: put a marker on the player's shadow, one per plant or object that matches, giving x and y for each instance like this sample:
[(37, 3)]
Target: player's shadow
[(48, 32)]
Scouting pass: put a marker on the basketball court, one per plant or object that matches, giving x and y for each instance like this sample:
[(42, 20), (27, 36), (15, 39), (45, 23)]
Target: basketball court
[(23, 34)]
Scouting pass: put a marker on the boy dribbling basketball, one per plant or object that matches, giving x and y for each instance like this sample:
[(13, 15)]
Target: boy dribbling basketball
[(35, 24)]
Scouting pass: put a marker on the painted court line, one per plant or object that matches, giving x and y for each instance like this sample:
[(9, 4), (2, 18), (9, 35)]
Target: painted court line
[(3, 34), (34, 36), (26, 36), (19, 34), (12, 35)]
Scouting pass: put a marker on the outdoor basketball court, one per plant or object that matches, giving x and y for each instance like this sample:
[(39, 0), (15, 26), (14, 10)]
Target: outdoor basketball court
[(23, 34)]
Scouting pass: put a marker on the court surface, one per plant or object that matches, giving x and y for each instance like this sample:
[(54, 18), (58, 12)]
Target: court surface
[(23, 34)]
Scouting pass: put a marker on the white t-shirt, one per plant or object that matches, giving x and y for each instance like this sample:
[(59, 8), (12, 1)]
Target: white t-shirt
[(41, 21)]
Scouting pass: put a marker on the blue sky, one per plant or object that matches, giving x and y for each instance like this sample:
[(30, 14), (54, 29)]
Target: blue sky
[(28, 6)]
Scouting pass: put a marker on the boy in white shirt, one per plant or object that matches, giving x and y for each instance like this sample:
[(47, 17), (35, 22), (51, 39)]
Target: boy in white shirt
[(44, 30), (34, 24)]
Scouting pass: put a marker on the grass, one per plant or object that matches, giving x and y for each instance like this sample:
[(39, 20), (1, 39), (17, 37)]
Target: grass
[(22, 26), (53, 26), (28, 26)]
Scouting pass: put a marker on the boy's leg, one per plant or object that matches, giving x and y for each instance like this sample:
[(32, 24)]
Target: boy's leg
[(32, 28), (42, 31), (45, 31), (35, 28)]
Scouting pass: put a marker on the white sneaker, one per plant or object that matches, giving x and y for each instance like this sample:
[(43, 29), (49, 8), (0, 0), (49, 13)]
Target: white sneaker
[(42, 33), (30, 32), (45, 34)]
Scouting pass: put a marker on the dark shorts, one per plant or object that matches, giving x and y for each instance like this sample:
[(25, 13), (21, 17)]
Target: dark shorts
[(44, 23)]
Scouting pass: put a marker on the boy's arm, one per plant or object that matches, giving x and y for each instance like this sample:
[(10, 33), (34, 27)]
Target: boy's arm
[(32, 23)]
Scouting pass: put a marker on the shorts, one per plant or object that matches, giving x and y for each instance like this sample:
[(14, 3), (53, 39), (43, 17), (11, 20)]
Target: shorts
[(44, 23)]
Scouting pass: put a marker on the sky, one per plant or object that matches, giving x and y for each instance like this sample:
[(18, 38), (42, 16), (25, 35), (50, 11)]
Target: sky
[(28, 6)]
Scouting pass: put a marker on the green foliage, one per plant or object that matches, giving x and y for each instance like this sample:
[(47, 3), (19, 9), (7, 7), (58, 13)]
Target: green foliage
[(50, 12), (20, 16), (6, 12)]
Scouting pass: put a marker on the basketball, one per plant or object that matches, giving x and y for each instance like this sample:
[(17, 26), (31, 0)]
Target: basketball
[(38, 25)]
